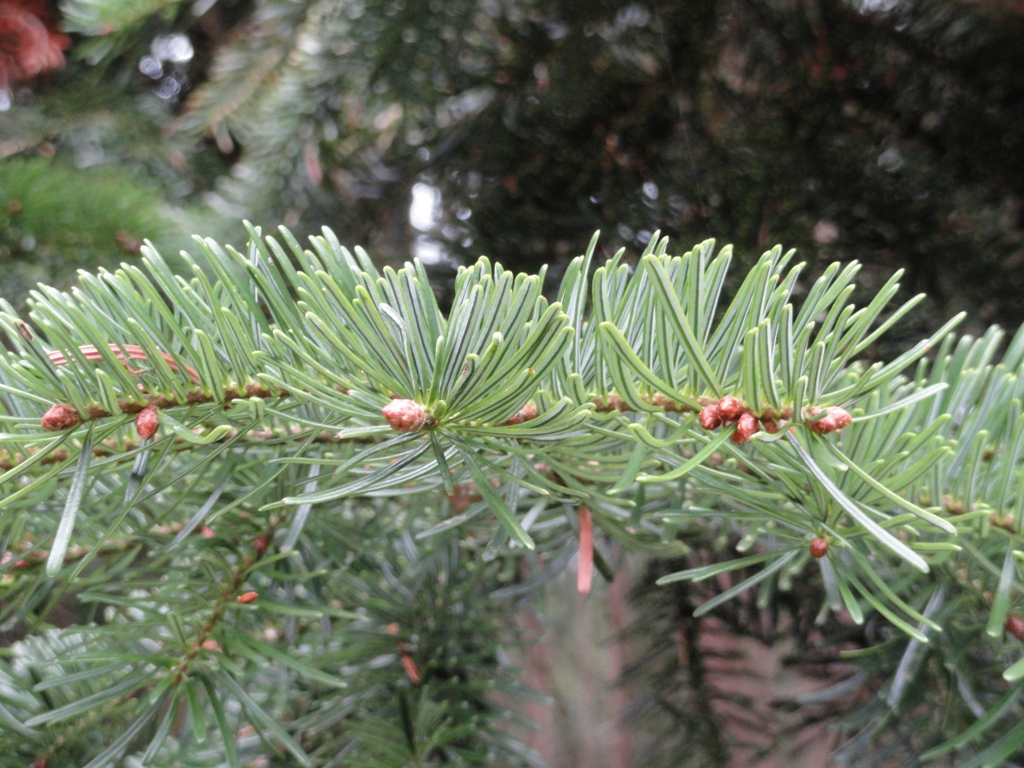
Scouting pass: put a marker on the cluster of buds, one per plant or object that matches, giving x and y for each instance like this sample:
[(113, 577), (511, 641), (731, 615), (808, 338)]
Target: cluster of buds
[(730, 410), (833, 420)]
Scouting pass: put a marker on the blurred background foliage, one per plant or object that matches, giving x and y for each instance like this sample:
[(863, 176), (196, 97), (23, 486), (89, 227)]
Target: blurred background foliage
[(887, 131), (881, 130)]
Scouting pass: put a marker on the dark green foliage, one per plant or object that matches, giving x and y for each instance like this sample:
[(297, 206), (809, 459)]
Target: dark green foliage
[(55, 219), (843, 129)]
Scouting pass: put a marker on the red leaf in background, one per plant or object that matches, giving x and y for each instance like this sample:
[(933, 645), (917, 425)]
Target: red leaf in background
[(29, 42)]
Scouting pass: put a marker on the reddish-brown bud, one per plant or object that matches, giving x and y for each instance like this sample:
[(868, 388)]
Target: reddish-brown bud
[(730, 408), (147, 421), (1004, 522), (526, 413), (834, 419), (261, 544), (819, 547), (60, 416), (841, 415), (1015, 626), (824, 425), (709, 417), (405, 415), (745, 427), (770, 426), (248, 597), (464, 497)]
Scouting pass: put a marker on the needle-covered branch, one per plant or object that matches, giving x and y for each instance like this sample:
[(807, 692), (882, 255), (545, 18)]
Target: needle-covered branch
[(644, 403)]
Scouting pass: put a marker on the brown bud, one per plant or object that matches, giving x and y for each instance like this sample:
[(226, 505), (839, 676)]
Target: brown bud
[(819, 547), (526, 413), (248, 597), (1015, 626), (841, 415), (729, 408), (464, 497), (147, 421), (261, 544), (824, 425), (745, 427), (834, 419), (1002, 521), (953, 506), (709, 417), (770, 426), (405, 415), (60, 416), (126, 241)]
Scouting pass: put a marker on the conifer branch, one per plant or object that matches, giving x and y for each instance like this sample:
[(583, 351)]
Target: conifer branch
[(304, 380)]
